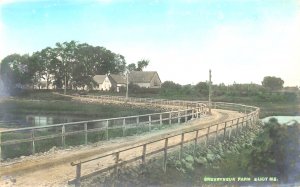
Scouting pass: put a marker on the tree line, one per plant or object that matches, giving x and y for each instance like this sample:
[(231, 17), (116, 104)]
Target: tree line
[(269, 90), (69, 64)]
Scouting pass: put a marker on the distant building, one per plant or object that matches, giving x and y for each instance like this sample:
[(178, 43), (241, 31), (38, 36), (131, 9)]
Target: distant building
[(108, 82), (144, 79), (44, 84)]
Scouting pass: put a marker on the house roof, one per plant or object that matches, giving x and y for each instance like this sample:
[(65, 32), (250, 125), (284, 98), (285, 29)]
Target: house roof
[(119, 79), (99, 78), (141, 76)]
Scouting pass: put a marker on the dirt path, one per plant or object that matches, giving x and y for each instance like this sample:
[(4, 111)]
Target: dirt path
[(54, 169)]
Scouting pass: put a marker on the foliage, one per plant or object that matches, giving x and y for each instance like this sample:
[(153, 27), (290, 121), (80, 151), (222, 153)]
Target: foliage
[(241, 93), (271, 154), (69, 63), (141, 64), (272, 83), (202, 88)]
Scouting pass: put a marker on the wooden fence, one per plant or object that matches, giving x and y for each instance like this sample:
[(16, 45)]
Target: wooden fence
[(26, 139), (250, 118)]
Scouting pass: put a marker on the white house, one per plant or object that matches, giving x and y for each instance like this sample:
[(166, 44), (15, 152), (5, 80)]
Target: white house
[(110, 81), (145, 79)]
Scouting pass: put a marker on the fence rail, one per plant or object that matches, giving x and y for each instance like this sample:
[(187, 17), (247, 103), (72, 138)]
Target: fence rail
[(15, 139), (250, 118)]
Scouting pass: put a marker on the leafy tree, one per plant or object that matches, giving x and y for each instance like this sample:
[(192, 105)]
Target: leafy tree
[(202, 88), (170, 88), (272, 83), (15, 72), (131, 67), (68, 63), (275, 150), (40, 62), (142, 64)]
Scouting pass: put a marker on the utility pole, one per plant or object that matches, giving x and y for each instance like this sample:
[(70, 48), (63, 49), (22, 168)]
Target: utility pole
[(127, 86), (209, 93), (65, 90)]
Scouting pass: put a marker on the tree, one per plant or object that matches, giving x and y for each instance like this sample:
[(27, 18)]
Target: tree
[(131, 67), (272, 83), (141, 64), (170, 88), (69, 63), (202, 88), (15, 71), (40, 63)]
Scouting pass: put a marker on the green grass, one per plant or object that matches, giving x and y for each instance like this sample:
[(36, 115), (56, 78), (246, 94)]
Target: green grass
[(69, 108)]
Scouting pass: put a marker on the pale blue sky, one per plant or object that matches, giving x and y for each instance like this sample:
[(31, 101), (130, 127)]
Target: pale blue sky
[(241, 41)]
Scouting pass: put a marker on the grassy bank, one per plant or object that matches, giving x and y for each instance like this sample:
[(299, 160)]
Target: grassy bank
[(270, 104), (269, 107), (270, 152)]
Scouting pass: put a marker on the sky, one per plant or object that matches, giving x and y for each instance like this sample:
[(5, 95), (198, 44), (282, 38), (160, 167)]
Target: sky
[(241, 41)]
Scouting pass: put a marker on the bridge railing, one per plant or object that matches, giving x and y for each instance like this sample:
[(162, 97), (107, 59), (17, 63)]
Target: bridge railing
[(29, 140), (142, 151)]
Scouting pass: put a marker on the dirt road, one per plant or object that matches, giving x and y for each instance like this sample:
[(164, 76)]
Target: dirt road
[(54, 169)]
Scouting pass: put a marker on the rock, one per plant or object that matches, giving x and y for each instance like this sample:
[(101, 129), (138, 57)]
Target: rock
[(22, 157)]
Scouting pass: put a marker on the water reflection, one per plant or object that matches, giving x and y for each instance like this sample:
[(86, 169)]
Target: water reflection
[(283, 119), (21, 120)]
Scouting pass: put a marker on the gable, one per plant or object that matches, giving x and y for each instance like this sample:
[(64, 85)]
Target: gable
[(141, 76), (99, 78)]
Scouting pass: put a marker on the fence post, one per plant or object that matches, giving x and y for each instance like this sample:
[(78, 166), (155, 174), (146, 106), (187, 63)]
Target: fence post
[(230, 129), (237, 126), (78, 175), (185, 114), (149, 124), (124, 127), (181, 146), (207, 136), (63, 130), (192, 113), (117, 162), (178, 119), (33, 143), (195, 143), (137, 119), (107, 138), (144, 154), (170, 118), (165, 156), (217, 133), (225, 130), (0, 147), (243, 121), (85, 133), (160, 119)]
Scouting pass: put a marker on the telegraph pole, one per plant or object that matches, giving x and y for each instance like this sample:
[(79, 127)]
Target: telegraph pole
[(127, 86), (209, 93)]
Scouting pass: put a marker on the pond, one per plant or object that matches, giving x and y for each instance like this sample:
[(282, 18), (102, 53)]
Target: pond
[(12, 120), (25, 113), (283, 119)]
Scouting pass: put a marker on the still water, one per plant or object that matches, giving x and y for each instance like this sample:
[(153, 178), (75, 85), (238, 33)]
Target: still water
[(22, 120), (283, 119)]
